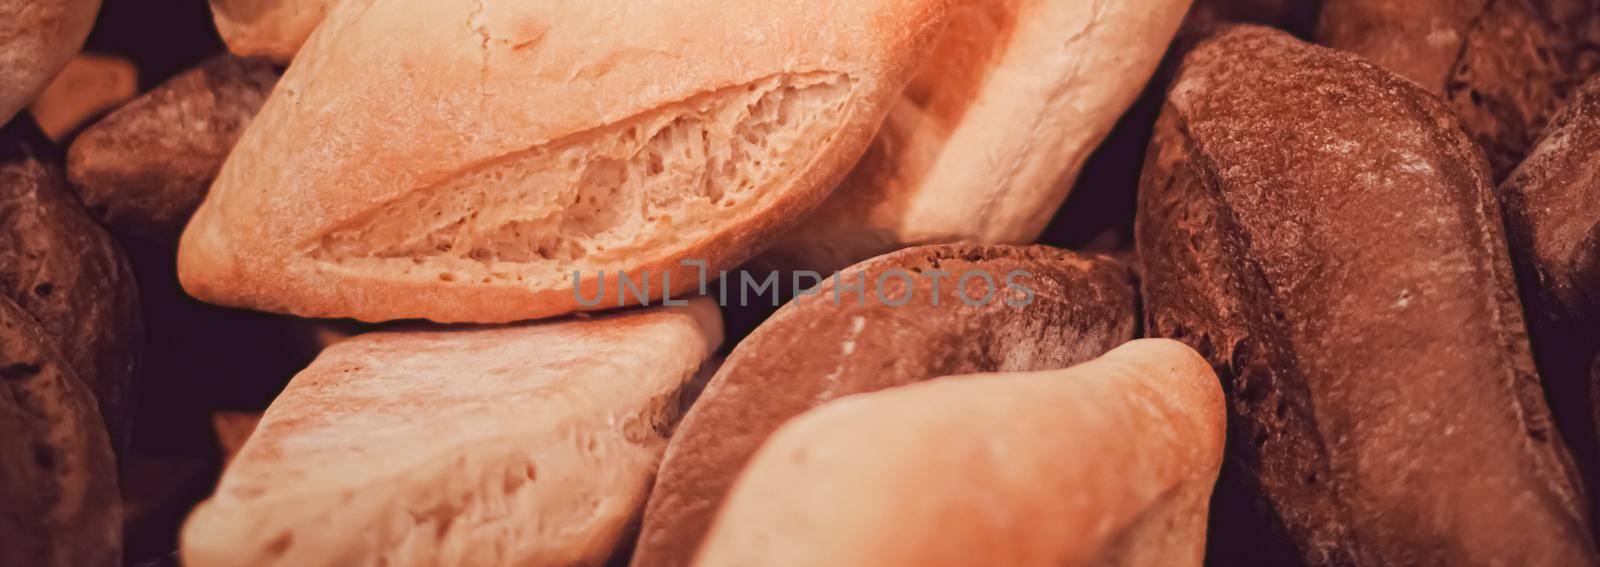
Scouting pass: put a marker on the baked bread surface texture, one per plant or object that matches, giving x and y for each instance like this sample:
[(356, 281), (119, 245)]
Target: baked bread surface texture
[(818, 348), (524, 445), (58, 478), (85, 89), (271, 29), (144, 168), (67, 273), (1110, 462), (1324, 232), (1503, 66), (1552, 212), (37, 39), (986, 140), (464, 173)]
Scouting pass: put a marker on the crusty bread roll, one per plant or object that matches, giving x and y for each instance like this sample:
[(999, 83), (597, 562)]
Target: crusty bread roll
[(68, 274), (144, 168), (986, 140), (406, 169), (273, 29), (37, 39), (524, 445), (1110, 462), (87, 87), (1503, 66), (58, 479), (837, 342), (1551, 205), (1325, 233)]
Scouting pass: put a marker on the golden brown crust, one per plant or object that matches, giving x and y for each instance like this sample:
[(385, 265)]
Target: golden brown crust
[(1326, 235), (144, 168), (58, 479), (69, 274), (338, 141), (1110, 462), (815, 349)]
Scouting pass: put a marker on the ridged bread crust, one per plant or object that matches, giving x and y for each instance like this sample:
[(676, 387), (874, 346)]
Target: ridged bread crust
[(1110, 462), (458, 161), (522, 445), (985, 142)]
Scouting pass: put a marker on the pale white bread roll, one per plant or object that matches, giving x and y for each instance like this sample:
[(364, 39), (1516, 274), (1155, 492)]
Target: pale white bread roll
[(460, 160), (986, 141), (272, 29), (1110, 462), (521, 445), (37, 39)]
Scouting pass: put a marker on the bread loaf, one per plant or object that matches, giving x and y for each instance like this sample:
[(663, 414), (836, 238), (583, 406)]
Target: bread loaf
[(270, 29), (1503, 66), (1110, 462), (404, 169), (838, 342), (58, 480), (1325, 234), (1552, 216), (524, 445), (37, 38), (87, 87), (68, 274), (986, 140), (145, 168)]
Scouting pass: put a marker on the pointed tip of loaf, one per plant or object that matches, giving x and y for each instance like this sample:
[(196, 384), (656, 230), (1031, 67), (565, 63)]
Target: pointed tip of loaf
[(205, 260)]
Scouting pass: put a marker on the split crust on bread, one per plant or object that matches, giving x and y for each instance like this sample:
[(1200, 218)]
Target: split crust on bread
[(404, 168)]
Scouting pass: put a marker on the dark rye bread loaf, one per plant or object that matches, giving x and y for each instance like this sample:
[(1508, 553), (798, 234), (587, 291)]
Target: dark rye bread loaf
[(1323, 231), (145, 168), (1503, 66), (814, 350), (1552, 212), (58, 481), (67, 272)]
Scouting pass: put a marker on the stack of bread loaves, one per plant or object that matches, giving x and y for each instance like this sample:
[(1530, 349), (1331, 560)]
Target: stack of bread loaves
[(1334, 337)]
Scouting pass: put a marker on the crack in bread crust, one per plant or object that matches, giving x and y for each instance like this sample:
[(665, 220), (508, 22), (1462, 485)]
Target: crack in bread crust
[(594, 195)]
